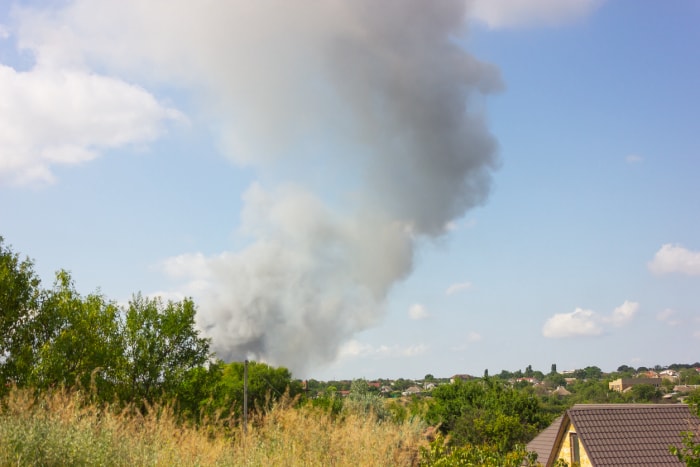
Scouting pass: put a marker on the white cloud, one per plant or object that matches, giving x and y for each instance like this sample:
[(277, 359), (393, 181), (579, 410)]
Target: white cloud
[(674, 258), (187, 265), (4, 33), (473, 337), (633, 159), (579, 322), (623, 313), (470, 338), (413, 350), (669, 316), (458, 287), (356, 349), (582, 322), (418, 311), (54, 117), (513, 13)]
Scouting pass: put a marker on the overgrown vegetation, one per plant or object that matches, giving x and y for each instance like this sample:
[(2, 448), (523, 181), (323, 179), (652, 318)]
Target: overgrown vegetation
[(486, 412), (63, 428)]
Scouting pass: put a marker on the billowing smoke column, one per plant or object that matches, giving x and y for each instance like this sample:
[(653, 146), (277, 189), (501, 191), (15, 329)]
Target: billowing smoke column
[(361, 115)]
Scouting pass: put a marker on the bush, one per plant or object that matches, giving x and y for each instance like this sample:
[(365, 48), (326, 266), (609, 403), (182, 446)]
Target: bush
[(439, 453)]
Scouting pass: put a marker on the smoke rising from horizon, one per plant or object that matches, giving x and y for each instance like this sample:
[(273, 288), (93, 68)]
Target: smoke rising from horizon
[(379, 96)]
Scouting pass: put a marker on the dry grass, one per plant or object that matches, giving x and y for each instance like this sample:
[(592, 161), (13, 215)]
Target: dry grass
[(60, 429)]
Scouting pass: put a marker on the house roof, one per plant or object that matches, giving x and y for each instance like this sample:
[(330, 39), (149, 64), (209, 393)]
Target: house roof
[(542, 443), (561, 391), (630, 434)]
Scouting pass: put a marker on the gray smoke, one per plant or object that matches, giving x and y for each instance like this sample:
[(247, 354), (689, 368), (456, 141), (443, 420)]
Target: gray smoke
[(363, 118)]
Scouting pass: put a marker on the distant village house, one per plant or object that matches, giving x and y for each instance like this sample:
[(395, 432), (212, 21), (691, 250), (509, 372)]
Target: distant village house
[(623, 384)]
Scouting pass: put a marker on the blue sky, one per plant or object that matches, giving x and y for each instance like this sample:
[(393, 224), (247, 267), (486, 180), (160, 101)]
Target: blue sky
[(289, 174)]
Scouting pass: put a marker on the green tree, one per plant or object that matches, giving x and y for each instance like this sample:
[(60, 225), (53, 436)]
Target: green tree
[(624, 371), (555, 379), (689, 376), (328, 400), (197, 389), (363, 401), (668, 385), (79, 343), (505, 375), (402, 384), (644, 393), (440, 453), (593, 372), (161, 344), (486, 412), (266, 385), (689, 452), (592, 391), (19, 300)]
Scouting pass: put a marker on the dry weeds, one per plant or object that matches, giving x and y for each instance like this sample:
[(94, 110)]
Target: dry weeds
[(60, 428)]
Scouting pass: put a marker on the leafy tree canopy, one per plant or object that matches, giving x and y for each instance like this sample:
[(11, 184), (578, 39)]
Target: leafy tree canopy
[(486, 411)]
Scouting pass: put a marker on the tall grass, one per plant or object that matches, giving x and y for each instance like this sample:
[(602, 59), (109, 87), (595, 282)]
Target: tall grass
[(60, 428)]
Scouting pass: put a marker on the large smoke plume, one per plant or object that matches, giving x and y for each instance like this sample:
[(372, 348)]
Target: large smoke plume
[(362, 118)]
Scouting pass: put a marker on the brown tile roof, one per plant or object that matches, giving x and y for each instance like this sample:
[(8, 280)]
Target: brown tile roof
[(542, 443), (631, 434)]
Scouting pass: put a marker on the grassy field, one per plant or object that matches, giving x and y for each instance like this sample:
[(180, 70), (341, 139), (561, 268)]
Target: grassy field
[(61, 429)]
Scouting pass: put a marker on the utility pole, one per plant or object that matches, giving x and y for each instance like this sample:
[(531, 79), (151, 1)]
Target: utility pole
[(245, 397)]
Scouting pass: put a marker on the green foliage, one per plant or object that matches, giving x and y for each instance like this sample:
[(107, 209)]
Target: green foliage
[(625, 371), (19, 299), (81, 343), (329, 403), (440, 454), (402, 384), (486, 412), (693, 399), (364, 402), (555, 379), (588, 373), (644, 393), (196, 390), (505, 375), (689, 452), (668, 385), (397, 411), (689, 376), (56, 337), (593, 392), (161, 345), (265, 386)]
